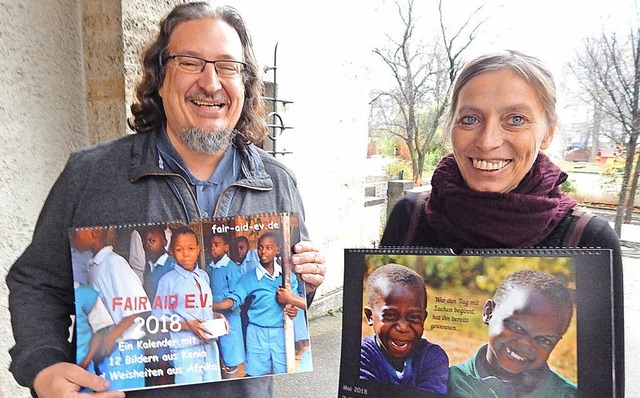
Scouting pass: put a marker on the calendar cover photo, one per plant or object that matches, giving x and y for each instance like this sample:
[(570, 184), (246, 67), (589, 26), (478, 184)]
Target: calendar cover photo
[(485, 323), (169, 304)]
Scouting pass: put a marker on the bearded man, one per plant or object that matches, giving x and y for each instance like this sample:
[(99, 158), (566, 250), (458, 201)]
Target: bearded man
[(198, 114)]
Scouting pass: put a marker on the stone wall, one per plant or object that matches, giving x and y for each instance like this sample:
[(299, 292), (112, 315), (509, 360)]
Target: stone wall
[(42, 118)]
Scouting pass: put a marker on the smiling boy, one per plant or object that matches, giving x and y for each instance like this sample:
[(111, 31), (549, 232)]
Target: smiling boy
[(398, 354), (528, 315), (265, 348)]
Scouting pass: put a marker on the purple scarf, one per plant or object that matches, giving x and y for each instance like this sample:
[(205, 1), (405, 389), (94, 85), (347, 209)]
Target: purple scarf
[(521, 218)]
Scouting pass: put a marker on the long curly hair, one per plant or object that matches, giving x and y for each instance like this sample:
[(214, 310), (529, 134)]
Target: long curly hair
[(148, 112)]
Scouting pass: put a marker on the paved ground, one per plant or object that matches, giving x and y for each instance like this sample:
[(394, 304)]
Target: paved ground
[(322, 382)]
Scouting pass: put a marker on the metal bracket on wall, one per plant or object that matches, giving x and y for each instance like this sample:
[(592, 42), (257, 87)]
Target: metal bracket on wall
[(275, 123)]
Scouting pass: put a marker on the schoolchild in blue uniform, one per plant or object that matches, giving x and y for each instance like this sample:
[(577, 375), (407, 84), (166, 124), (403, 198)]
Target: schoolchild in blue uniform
[(196, 356), (111, 275), (247, 259), (239, 248), (301, 334), (265, 333), (224, 274), (92, 325), (243, 255), (159, 262)]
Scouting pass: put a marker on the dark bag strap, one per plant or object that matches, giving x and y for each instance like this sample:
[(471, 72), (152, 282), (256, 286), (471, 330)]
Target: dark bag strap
[(575, 231), (416, 215)]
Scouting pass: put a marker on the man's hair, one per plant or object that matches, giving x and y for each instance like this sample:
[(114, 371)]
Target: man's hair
[(181, 231), (148, 112), (395, 274), (540, 282)]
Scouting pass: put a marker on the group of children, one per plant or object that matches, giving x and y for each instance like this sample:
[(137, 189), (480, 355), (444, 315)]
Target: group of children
[(527, 316), (183, 297)]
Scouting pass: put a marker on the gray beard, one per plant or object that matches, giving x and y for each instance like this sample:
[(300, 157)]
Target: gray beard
[(206, 141)]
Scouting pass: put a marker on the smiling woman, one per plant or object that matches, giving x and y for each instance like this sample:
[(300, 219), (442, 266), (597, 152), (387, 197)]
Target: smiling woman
[(498, 129), (497, 189)]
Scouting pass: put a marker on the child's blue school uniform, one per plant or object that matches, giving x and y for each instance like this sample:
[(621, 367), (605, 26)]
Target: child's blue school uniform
[(154, 271), (300, 329), (250, 262), (265, 332), (224, 276), (197, 360), (111, 275), (91, 316)]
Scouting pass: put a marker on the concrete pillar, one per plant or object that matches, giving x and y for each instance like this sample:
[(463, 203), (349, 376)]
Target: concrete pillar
[(395, 192), (104, 69)]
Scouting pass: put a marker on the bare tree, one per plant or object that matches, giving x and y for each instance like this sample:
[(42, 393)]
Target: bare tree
[(608, 71), (422, 75)]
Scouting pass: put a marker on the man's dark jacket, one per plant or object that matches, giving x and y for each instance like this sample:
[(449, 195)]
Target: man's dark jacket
[(123, 182)]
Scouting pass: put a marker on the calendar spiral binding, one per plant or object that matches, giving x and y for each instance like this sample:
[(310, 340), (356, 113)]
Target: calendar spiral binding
[(170, 223), (539, 251)]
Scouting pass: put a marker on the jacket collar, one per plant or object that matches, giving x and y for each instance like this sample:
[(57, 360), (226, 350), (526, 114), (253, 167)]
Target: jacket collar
[(146, 161)]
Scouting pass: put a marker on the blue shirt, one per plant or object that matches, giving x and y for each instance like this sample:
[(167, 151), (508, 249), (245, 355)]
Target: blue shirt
[(224, 275), (111, 275), (264, 311), (91, 316), (192, 301), (154, 271), (250, 262), (426, 368), (208, 191), (79, 262)]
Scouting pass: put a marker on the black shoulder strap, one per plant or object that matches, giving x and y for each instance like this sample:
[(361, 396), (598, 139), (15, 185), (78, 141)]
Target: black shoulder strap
[(574, 234), (416, 215)]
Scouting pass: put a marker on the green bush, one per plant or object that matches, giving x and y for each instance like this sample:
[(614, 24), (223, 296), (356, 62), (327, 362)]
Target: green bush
[(431, 160), (569, 187), (392, 171)]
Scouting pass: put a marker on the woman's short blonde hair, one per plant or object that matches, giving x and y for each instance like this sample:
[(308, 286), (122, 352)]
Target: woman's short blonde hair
[(534, 71)]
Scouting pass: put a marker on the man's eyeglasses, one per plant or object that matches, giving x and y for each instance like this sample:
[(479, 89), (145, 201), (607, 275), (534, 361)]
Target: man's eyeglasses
[(191, 64)]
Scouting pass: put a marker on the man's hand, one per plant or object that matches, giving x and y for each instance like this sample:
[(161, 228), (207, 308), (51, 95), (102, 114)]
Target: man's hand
[(308, 262), (64, 380)]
